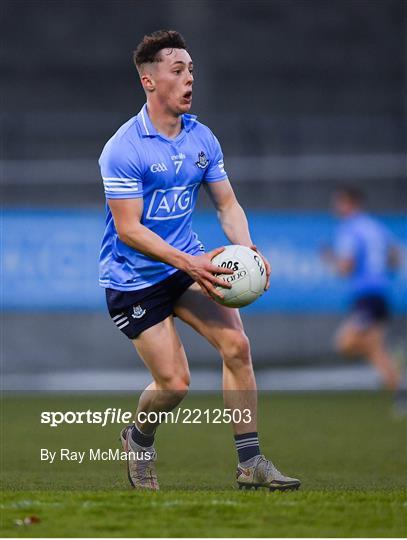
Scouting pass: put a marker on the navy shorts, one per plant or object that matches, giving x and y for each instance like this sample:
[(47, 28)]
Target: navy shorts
[(135, 311), (370, 309)]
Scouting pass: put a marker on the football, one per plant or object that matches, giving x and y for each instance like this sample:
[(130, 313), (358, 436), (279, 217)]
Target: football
[(248, 279)]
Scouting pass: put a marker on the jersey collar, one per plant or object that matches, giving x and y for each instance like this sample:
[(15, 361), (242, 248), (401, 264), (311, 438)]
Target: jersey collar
[(147, 128)]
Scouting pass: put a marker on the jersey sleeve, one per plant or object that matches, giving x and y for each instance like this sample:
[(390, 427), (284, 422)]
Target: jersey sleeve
[(216, 169), (345, 244), (121, 172)]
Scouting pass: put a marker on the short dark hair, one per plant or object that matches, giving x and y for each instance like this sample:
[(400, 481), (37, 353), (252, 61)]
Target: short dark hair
[(148, 49), (354, 194)]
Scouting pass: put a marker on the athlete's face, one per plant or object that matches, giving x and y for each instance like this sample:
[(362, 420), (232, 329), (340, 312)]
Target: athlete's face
[(171, 80), (343, 205)]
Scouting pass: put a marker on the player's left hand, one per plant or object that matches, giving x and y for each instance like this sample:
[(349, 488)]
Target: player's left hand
[(266, 264)]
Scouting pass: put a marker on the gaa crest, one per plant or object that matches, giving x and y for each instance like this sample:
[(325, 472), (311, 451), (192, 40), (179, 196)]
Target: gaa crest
[(202, 162), (138, 312)]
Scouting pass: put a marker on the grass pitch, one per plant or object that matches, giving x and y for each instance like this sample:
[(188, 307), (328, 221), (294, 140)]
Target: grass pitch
[(348, 450)]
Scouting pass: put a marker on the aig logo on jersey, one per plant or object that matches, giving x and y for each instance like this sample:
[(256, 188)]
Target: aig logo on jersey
[(158, 167), (172, 203)]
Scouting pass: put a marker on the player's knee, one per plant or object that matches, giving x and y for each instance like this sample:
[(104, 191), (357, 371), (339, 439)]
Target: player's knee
[(177, 384), (236, 348), (179, 393), (342, 345), (346, 344)]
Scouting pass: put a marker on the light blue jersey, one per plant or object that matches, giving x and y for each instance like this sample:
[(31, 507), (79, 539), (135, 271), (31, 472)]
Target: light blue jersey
[(167, 173), (367, 242)]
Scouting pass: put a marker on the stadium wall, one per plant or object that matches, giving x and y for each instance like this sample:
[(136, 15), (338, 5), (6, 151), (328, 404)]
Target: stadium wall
[(54, 313)]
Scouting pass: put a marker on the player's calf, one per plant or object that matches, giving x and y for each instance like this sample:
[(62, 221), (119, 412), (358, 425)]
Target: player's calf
[(234, 348)]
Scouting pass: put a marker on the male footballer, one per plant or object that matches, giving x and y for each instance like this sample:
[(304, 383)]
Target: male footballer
[(154, 267), (365, 253)]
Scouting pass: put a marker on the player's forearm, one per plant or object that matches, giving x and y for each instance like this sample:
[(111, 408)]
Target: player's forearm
[(234, 224), (343, 268), (149, 243), (394, 258)]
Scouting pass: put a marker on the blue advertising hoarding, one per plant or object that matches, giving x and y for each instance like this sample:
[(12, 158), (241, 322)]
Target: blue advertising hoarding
[(50, 260)]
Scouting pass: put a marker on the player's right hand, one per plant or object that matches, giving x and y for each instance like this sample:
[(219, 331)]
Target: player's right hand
[(203, 271)]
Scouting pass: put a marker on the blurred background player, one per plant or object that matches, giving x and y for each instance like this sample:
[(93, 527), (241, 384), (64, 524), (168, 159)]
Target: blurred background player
[(365, 253)]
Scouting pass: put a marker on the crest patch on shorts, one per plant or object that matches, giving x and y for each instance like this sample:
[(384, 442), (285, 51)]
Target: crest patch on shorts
[(138, 312)]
